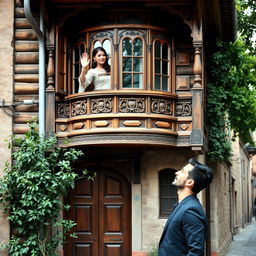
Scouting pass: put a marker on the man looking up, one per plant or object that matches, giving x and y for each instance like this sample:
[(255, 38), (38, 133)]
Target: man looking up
[(186, 228)]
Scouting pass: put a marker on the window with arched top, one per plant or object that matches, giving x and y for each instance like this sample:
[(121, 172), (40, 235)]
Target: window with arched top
[(161, 65), (132, 63), (106, 45), (167, 192), (140, 58)]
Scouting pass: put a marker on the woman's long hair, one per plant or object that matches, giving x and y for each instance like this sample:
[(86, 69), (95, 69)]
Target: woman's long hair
[(106, 66)]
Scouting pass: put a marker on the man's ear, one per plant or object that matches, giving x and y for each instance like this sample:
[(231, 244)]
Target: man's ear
[(190, 183)]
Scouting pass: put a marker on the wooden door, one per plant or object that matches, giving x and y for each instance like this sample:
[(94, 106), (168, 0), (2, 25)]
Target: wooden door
[(102, 211)]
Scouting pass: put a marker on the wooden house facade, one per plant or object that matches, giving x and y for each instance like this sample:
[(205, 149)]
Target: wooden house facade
[(136, 134)]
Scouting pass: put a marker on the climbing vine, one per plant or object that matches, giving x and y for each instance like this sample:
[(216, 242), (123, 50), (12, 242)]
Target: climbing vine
[(31, 191), (231, 98)]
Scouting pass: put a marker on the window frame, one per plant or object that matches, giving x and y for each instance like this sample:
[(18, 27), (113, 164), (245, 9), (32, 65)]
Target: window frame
[(116, 34), (164, 213), (169, 63), (143, 56)]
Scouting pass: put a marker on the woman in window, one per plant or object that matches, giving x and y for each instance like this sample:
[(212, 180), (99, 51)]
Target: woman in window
[(99, 74)]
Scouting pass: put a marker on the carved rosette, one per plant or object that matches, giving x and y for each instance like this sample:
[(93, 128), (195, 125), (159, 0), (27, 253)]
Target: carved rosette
[(183, 108), (101, 105), (79, 108), (63, 110), (161, 106), (131, 105)]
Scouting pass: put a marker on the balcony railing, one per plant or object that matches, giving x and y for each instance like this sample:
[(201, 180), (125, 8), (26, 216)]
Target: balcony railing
[(124, 117)]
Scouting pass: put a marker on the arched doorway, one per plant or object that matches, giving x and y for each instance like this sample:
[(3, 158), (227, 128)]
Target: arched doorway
[(102, 211)]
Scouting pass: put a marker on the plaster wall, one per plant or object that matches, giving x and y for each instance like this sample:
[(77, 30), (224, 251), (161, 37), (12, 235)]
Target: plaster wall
[(6, 89)]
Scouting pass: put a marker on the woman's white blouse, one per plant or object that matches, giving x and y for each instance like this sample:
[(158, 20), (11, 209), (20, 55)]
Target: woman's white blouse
[(100, 80)]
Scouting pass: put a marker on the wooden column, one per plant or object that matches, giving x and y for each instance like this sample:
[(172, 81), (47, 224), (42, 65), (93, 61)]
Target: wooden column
[(197, 136), (114, 69), (50, 90)]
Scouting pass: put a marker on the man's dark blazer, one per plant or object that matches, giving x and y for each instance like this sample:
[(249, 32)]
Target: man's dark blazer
[(185, 231)]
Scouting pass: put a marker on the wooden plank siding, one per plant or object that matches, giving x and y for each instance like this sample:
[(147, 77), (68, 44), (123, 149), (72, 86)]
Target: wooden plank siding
[(26, 69)]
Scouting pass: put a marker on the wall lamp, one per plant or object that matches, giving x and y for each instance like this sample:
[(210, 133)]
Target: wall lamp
[(9, 108)]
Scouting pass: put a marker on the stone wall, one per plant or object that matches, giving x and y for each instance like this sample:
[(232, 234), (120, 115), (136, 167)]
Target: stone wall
[(152, 163), (220, 210), (6, 89)]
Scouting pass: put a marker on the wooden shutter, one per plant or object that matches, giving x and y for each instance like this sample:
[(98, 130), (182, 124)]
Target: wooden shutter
[(61, 62)]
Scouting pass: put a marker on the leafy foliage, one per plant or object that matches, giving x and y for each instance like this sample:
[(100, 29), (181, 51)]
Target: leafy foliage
[(246, 10), (231, 101), (31, 190)]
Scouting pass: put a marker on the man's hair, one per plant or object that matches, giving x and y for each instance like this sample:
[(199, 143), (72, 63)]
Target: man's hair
[(201, 174)]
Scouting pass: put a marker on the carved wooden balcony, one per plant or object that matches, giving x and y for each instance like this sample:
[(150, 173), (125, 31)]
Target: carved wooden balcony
[(124, 117)]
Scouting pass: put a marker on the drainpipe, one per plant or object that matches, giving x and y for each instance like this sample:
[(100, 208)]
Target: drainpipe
[(40, 34)]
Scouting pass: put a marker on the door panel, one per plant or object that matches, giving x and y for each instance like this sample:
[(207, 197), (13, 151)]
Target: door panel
[(101, 209)]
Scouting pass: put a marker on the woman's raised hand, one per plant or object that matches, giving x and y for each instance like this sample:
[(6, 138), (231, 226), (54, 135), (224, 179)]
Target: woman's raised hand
[(84, 60)]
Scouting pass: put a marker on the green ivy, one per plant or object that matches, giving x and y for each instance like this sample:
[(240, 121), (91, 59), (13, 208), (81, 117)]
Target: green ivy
[(231, 98), (31, 191)]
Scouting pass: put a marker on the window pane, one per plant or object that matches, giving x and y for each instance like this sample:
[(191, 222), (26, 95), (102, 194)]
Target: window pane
[(127, 64), (77, 70), (166, 206), (137, 50), (127, 47), (157, 82), (82, 49), (165, 67), (164, 83), (165, 51), (168, 192), (157, 49), (76, 55), (76, 85), (157, 66), (107, 47), (137, 64), (137, 80), (97, 44), (127, 80)]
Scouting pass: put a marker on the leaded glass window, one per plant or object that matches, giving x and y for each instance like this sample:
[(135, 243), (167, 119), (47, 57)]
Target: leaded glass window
[(132, 63), (161, 66)]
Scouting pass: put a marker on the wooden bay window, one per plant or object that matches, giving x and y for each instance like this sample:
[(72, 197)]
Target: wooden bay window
[(132, 65)]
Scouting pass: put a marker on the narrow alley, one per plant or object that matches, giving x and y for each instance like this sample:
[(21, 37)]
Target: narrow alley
[(245, 242)]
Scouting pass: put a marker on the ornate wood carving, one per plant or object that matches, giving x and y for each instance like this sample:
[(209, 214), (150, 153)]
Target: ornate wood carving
[(131, 33), (101, 35), (132, 123), (197, 69), (161, 124), (161, 106), (79, 125), (50, 68), (79, 108), (131, 105), (63, 110), (101, 105), (183, 108), (101, 123), (123, 139)]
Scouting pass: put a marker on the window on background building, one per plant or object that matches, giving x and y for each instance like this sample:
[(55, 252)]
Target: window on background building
[(167, 192)]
